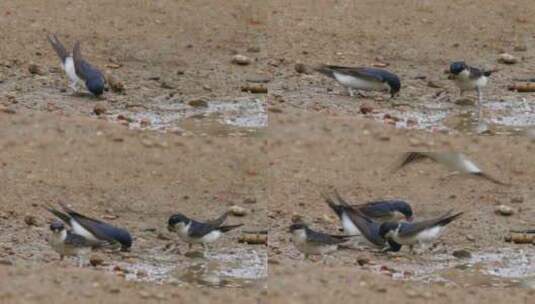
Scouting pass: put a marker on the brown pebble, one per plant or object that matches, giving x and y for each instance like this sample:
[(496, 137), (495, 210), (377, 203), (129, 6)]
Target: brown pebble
[(96, 260), (241, 60), (198, 103), (100, 108), (36, 69), (366, 108), (115, 84), (237, 210), (31, 220), (504, 210)]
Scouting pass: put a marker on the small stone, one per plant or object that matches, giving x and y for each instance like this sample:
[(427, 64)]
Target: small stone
[(297, 218), (36, 69), (465, 101), (141, 273), (96, 260), (302, 68), (144, 122), (504, 210), (198, 103), (237, 210), (507, 58), (115, 84), (241, 60), (6, 263), (31, 220), (253, 49), (363, 261), (462, 254), (366, 108), (249, 201), (166, 84), (100, 108)]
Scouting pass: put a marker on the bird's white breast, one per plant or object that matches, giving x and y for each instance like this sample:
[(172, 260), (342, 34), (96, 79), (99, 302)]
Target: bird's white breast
[(69, 69), (360, 84), (349, 226), (80, 230)]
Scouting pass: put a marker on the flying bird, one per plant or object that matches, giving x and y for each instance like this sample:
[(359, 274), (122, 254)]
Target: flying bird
[(410, 234), (312, 242), (453, 160), (93, 230), (361, 78), (78, 68), (67, 243), (196, 232)]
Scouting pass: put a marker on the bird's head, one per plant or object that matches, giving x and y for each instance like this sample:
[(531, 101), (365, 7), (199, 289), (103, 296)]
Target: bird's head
[(95, 85), (177, 221), (405, 209), (57, 227), (457, 67)]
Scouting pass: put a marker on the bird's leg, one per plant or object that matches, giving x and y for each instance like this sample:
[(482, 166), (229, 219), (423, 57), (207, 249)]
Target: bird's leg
[(350, 91), (206, 249), (478, 90), (74, 86)]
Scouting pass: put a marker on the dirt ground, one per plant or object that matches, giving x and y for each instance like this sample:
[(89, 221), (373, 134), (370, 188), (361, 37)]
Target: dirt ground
[(168, 53)]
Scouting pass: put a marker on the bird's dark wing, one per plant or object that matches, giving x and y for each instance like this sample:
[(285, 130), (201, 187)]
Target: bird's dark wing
[(218, 221), (377, 209), (228, 227), (321, 238), (411, 229), (475, 73), (408, 158), (58, 47), (198, 230), (76, 240), (83, 69), (101, 230)]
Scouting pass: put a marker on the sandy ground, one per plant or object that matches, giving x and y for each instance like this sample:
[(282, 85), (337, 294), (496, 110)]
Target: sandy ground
[(168, 53)]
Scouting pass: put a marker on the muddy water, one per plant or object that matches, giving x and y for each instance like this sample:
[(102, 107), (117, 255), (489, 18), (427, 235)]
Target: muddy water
[(509, 117), (237, 267), (216, 117), (504, 267)]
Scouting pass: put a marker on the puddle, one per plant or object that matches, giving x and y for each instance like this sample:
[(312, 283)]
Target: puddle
[(509, 117), (240, 116), (506, 267), (237, 267)]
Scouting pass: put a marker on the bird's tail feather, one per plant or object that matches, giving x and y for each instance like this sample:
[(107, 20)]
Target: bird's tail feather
[(449, 218), (229, 227), (325, 70), (62, 216), (58, 47)]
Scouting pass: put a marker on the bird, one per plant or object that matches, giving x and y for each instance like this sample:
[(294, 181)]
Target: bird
[(410, 234), (354, 222), (312, 242), (77, 68), (67, 243), (385, 210), (362, 78), (93, 230), (469, 78), (453, 160), (196, 232)]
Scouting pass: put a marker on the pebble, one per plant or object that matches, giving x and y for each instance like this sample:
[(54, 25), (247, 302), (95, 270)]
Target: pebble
[(253, 49), (198, 103), (462, 254), (31, 220), (434, 84), (465, 101), (249, 201), (302, 68), (366, 108), (100, 108), (255, 89), (241, 60), (507, 58), (36, 69), (96, 260), (141, 273), (237, 210), (363, 261), (115, 84), (6, 263), (504, 210), (7, 110)]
